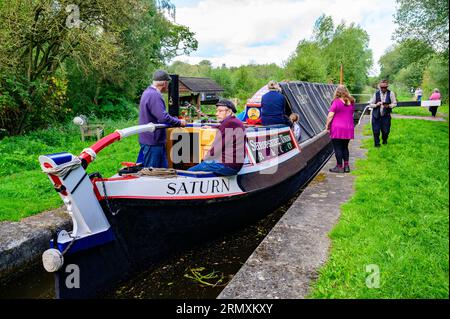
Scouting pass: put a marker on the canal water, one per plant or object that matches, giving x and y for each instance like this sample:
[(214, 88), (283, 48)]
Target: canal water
[(199, 273)]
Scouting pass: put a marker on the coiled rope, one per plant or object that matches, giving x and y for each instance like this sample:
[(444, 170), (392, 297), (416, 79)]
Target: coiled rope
[(63, 169), (159, 172)]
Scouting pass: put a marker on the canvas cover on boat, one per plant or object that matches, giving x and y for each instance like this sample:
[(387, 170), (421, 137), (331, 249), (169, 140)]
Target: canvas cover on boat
[(255, 100), (311, 101)]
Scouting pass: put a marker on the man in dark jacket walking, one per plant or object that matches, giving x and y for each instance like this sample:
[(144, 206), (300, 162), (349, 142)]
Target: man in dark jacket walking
[(382, 104)]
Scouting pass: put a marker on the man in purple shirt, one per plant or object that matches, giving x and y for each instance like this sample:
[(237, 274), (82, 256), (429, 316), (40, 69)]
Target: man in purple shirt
[(153, 109), (227, 153)]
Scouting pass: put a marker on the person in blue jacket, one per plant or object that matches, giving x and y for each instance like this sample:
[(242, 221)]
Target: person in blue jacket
[(273, 105)]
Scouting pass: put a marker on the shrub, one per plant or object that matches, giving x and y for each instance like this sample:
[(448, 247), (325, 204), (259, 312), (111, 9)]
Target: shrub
[(26, 105), (436, 76)]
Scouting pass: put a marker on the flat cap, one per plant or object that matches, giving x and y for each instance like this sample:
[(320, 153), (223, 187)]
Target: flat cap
[(227, 103), (161, 75)]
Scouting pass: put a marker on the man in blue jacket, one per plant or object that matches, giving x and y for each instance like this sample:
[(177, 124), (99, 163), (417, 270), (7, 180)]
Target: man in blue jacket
[(152, 108)]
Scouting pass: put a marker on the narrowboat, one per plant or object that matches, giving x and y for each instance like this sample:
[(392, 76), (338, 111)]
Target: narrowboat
[(139, 217)]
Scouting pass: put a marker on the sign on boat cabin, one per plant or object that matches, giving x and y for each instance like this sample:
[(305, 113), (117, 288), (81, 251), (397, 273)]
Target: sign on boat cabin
[(188, 146), (263, 147)]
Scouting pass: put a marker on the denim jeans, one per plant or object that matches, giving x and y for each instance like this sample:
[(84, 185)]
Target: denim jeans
[(214, 167), (153, 156)]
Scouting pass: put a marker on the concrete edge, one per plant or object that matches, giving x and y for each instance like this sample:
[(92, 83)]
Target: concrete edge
[(22, 243)]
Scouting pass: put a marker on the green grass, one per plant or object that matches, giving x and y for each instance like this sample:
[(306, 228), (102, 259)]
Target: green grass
[(443, 109), (398, 219), (419, 111), (25, 190), (405, 97), (415, 111)]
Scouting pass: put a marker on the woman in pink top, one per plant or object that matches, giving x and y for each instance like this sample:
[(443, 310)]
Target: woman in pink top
[(435, 96), (341, 127)]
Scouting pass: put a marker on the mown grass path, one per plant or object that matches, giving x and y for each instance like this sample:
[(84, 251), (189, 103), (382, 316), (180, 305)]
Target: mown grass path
[(397, 222)]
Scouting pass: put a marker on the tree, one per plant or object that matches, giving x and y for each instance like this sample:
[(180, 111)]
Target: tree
[(323, 30), (38, 36), (240, 82), (402, 55), (205, 67), (183, 69), (223, 77), (410, 76), (107, 40), (421, 56), (390, 63), (243, 83), (436, 76), (307, 63), (349, 47), (320, 59), (150, 40), (424, 20)]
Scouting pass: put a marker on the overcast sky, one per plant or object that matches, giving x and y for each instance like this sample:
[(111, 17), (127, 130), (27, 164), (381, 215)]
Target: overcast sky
[(237, 32)]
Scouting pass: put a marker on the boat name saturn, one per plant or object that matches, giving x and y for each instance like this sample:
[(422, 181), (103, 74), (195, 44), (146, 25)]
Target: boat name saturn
[(195, 187)]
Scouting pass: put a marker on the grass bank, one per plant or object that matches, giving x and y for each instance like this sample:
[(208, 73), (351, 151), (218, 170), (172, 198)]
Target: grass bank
[(419, 111), (25, 190), (397, 221)]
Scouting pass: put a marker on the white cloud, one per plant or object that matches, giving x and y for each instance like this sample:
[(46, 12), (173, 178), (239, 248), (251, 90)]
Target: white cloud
[(237, 32)]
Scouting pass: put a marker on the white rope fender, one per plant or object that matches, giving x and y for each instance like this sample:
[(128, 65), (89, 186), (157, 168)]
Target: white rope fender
[(63, 169), (91, 153)]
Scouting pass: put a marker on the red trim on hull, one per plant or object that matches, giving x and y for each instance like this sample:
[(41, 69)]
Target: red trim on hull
[(95, 180), (172, 198), (113, 179), (96, 191)]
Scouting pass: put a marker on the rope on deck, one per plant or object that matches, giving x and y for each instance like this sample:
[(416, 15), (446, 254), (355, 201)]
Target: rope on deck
[(158, 172)]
